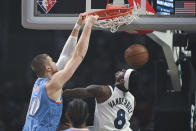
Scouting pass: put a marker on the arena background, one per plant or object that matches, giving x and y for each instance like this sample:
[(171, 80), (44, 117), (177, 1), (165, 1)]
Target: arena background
[(156, 108)]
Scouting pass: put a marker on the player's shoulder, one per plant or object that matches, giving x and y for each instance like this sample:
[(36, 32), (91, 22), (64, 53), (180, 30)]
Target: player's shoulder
[(98, 88), (111, 87), (41, 82), (106, 89), (105, 94)]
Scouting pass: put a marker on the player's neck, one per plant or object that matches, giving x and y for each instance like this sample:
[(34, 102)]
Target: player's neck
[(47, 75), (121, 87)]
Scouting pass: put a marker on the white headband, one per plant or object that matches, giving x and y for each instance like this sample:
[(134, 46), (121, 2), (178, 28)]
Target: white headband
[(126, 78)]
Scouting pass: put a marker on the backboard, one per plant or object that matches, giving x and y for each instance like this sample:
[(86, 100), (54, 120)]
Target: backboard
[(62, 14)]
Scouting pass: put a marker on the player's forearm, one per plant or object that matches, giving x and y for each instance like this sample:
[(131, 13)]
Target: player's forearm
[(68, 48), (89, 91), (83, 42), (67, 52), (76, 93), (75, 30), (77, 26)]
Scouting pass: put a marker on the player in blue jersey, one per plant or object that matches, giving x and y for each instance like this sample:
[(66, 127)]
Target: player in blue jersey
[(77, 113), (45, 106)]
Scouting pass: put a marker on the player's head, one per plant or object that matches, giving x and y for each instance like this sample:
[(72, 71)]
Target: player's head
[(77, 112), (123, 79), (43, 64)]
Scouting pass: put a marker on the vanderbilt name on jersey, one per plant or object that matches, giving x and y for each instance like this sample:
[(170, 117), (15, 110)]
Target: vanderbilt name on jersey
[(114, 114)]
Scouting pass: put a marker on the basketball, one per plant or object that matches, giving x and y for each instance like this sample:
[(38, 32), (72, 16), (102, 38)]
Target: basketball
[(136, 55)]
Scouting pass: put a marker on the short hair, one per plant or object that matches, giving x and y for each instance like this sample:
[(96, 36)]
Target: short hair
[(77, 112), (38, 64)]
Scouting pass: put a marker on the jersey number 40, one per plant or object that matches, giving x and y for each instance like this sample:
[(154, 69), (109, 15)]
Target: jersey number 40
[(34, 106)]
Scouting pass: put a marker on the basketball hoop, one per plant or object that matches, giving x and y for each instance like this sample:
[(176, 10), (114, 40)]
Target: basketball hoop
[(115, 16)]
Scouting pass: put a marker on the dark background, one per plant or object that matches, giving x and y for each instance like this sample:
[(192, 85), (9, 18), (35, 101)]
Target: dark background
[(105, 56)]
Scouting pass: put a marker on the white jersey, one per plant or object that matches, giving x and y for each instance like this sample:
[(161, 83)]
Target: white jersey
[(114, 114)]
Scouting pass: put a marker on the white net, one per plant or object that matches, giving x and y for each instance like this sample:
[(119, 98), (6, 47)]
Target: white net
[(114, 23)]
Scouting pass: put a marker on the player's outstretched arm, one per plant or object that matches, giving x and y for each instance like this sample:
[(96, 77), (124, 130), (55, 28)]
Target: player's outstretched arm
[(100, 92), (70, 44), (60, 78)]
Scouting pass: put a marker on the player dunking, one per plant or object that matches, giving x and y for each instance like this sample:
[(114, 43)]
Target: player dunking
[(45, 107), (114, 105)]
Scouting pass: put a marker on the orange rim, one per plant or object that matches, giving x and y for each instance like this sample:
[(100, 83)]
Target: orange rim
[(111, 13)]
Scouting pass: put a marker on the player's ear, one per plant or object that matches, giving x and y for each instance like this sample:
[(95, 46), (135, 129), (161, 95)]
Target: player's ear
[(48, 68)]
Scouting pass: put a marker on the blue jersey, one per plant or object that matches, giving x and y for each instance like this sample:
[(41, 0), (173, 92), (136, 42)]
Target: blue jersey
[(43, 114)]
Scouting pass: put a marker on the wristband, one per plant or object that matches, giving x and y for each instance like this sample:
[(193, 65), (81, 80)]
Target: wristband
[(73, 37), (77, 26)]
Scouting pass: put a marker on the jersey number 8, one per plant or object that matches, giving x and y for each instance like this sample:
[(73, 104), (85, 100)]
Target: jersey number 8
[(120, 121)]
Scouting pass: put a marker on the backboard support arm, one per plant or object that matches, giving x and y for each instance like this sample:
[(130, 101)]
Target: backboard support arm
[(172, 67)]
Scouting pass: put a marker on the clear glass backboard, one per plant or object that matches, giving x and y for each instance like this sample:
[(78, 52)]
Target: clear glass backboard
[(62, 14)]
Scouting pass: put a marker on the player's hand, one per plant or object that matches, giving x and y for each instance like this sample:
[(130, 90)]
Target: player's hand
[(81, 18), (91, 19)]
